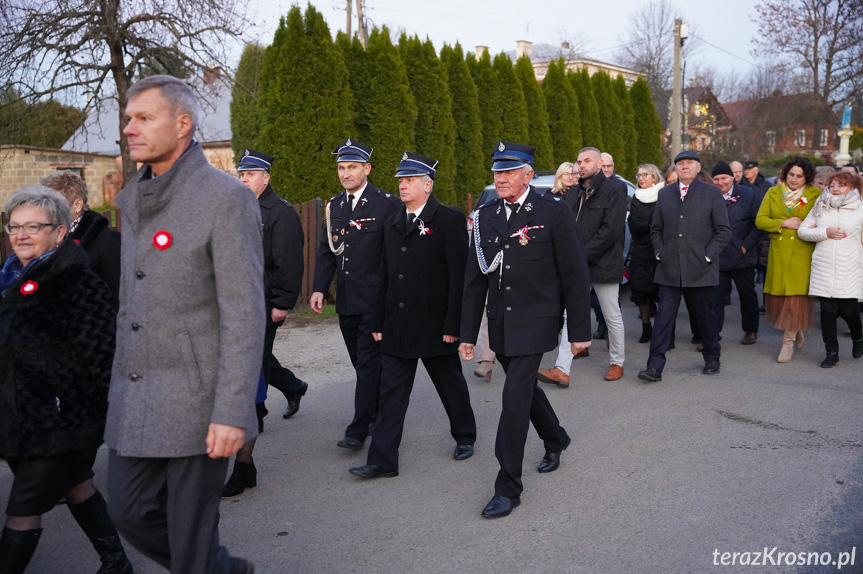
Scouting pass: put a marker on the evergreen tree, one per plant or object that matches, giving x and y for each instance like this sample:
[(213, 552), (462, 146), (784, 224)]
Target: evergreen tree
[(563, 113), (647, 125), (630, 136), (305, 106), (609, 115), (435, 127), (389, 110), (354, 55), (538, 133), (489, 104), (245, 122), (470, 174), (591, 128), (46, 123), (513, 108)]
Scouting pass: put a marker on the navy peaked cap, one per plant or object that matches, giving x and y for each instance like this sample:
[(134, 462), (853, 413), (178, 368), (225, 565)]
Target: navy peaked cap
[(509, 155), (416, 164), (255, 161), (687, 154), (352, 150)]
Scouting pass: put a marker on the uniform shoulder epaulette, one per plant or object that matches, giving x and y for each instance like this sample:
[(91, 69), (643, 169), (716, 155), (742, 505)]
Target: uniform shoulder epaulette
[(488, 203), (286, 202), (384, 193), (333, 198), (551, 197)]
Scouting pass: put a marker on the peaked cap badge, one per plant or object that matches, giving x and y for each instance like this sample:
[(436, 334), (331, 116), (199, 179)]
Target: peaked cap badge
[(405, 156), (501, 147), (348, 142)]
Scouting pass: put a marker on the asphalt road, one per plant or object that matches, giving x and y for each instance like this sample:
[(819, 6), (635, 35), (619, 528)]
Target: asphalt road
[(660, 478)]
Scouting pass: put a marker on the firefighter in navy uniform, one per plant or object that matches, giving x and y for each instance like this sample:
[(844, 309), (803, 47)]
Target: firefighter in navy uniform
[(418, 313), (351, 246), (528, 258), (283, 277)]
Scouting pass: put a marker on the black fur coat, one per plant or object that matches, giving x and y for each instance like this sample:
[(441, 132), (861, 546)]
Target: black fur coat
[(57, 330)]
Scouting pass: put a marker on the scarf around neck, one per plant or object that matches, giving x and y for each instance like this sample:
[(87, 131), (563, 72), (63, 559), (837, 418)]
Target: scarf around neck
[(791, 198), (648, 194)]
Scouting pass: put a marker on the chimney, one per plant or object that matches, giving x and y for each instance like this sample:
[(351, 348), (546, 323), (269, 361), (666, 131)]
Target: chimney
[(564, 46), (480, 50), (523, 48)]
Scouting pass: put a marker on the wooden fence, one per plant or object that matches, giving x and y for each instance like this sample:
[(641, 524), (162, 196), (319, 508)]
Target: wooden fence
[(311, 217)]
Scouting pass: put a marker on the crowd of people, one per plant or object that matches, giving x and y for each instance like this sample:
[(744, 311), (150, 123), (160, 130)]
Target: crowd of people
[(161, 345)]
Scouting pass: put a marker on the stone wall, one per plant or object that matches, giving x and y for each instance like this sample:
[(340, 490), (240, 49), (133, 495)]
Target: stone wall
[(25, 166)]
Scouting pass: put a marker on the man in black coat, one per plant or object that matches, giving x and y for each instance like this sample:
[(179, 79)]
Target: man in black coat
[(528, 259), (689, 231), (283, 277), (738, 259), (753, 179), (351, 245), (417, 315)]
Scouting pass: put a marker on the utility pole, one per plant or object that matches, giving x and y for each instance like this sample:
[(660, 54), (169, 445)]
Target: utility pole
[(676, 92), (348, 10), (361, 24)]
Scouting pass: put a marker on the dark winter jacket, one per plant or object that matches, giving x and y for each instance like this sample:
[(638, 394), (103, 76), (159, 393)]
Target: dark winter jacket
[(600, 212), (642, 260), (283, 251), (102, 245), (56, 348), (760, 185), (742, 210)]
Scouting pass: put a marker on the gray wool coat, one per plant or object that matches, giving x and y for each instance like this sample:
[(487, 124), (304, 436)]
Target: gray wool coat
[(687, 233), (190, 329)]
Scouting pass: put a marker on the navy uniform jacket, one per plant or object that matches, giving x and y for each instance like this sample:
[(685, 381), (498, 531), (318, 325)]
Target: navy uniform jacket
[(742, 210), (685, 232), (283, 251), (541, 275), (359, 264), (422, 281)]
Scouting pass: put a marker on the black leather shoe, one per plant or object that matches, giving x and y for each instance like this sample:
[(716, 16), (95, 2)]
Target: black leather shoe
[(500, 506), (600, 333), (650, 375), (372, 471), (351, 443), (463, 451), (857, 348), (244, 476), (551, 461), (294, 402), (711, 367), (831, 360)]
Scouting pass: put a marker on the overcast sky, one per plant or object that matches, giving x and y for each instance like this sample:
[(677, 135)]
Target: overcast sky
[(498, 24)]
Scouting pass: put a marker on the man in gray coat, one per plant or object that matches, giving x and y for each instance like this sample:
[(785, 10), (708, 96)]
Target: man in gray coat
[(190, 330), (689, 231)]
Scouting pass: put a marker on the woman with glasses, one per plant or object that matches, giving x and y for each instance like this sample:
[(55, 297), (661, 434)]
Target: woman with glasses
[(786, 286), (641, 259), (565, 177), (56, 349), (835, 226)]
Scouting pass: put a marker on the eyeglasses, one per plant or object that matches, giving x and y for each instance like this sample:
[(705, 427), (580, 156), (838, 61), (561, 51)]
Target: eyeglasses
[(836, 185), (641, 175), (30, 228)]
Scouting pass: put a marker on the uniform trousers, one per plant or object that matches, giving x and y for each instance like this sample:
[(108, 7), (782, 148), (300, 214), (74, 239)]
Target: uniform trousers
[(699, 301), (168, 508), (365, 355), (275, 375), (396, 385), (744, 279), (523, 403)]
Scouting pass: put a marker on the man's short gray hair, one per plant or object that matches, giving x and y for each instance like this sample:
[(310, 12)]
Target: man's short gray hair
[(69, 183), (590, 148), (176, 92), (51, 202)]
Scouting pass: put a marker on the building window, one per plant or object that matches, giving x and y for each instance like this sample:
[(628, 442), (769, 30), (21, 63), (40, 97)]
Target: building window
[(800, 138), (771, 139), (824, 134)]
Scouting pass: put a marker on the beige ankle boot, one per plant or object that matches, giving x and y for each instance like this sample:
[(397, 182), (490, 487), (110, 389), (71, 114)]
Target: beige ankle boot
[(799, 339), (484, 370), (787, 347)]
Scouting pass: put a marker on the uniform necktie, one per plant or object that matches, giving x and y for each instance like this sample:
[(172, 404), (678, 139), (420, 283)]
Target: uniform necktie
[(513, 209), (350, 202), (684, 189)]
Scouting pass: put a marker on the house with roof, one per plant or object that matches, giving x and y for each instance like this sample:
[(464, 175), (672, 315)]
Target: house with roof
[(707, 128)]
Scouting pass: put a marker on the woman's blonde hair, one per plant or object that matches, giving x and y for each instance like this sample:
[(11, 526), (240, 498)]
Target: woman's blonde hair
[(562, 169)]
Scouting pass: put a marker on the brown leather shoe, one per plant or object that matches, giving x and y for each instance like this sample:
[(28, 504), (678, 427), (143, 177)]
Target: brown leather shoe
[(749, 339), (615, 372), (553, 377), (581, 354)]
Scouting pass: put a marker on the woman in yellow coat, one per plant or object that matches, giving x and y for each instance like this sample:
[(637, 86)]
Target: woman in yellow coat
[(786, 287)]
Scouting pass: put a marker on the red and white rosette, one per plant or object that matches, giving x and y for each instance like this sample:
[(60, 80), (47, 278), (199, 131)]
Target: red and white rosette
[(162, 240), (29, 288)]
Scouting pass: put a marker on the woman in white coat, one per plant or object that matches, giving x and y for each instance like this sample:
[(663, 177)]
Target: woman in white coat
[(835, 224)]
